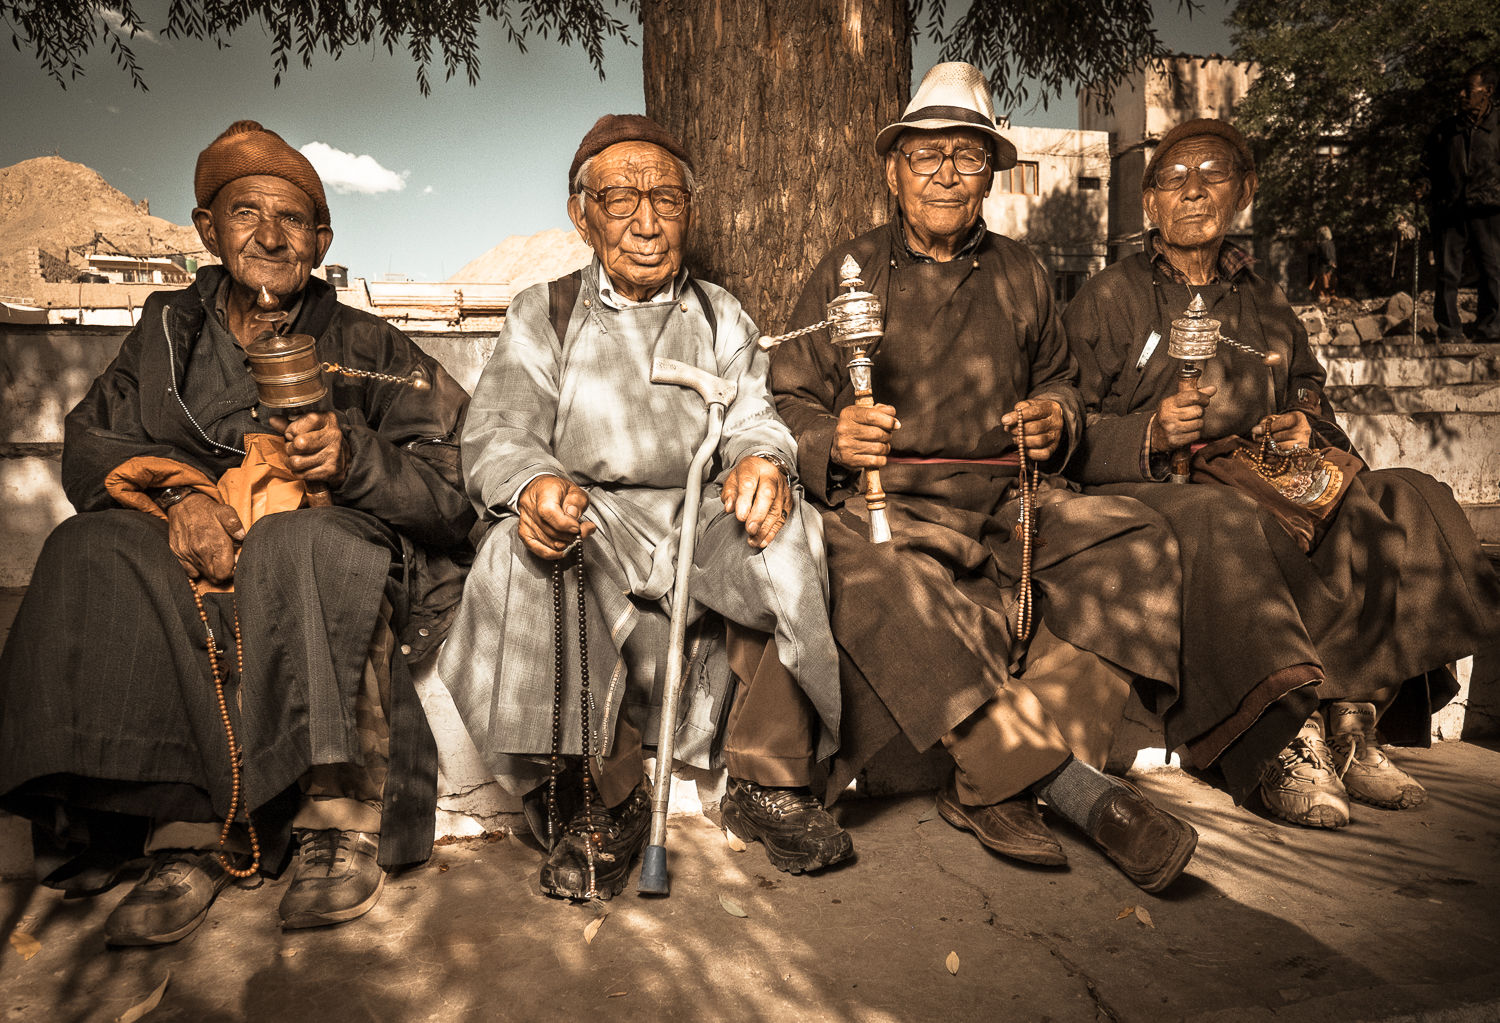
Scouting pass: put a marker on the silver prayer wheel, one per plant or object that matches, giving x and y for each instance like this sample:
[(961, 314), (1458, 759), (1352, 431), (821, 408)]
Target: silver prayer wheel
[(1195, 335), (855, 318)]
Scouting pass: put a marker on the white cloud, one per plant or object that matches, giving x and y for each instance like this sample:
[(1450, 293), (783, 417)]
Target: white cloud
[(116, 24), (427, 190), (344, 172)]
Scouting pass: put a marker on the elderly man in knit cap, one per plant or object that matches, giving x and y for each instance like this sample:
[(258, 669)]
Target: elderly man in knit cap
[(184, 658), (936, 638), (1315, 611), (557, 656)]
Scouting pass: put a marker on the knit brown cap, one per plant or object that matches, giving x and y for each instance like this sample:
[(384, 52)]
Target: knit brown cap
[(1197, 128), (615, 128), (245, 148)]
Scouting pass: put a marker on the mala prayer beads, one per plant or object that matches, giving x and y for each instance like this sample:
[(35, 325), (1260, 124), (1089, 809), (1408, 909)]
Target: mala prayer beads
[(1026, 530), (592, 839), (236, 755)]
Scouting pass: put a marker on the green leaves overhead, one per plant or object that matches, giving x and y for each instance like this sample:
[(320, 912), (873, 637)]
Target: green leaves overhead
[(62, 32)]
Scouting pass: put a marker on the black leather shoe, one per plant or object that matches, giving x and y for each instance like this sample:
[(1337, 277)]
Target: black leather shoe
[(619, 835), (1150, 845), (1012, 827), (798, 833)]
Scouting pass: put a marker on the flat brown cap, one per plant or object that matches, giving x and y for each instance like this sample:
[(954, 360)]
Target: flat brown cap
[(1197, 128), (612, 129)]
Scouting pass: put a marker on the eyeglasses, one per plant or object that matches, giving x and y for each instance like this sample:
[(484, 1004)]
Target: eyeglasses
[(929, 161), (250, 218), (620, 201), (1210, 172)]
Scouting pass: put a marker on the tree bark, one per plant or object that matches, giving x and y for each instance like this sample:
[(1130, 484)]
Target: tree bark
[(778, 101)]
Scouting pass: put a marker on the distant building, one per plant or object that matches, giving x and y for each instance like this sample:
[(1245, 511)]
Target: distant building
[(117, 269), (1146, 105), (1056, 200)]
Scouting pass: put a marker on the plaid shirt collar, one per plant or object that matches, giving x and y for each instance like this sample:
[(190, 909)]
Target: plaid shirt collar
[(1233, 260), (970, 245)]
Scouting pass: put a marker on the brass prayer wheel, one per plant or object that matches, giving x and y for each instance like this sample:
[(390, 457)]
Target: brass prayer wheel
[(286, 370)]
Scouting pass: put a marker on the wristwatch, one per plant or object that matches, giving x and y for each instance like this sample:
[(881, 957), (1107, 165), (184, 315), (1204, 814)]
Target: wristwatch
[(776, 460), (168, 496)]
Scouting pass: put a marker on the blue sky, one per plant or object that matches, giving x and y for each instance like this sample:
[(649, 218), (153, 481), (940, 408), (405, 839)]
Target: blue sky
[(458, 171)]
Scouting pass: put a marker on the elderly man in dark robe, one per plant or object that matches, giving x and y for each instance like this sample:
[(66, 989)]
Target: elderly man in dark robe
[(1294, 649), (930, 646), (181, 659), (581, 462)]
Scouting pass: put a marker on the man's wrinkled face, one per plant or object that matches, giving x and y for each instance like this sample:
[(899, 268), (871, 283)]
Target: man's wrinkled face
[(1475, 97), (1198, 214), (944, 204), (264, 230), (642, 251)]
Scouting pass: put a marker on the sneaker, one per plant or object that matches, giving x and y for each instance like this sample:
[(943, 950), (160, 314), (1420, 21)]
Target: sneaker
[(798, 833), (1367, 773), (169, 902), (1303, 786), (335, 879), (617, 835)]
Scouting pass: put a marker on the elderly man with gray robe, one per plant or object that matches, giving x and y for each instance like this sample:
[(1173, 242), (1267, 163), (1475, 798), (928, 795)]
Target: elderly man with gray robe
[(581, 462)]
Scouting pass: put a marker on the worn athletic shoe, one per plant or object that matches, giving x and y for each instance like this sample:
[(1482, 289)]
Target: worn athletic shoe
[(1367, 773), (620, 835), (798, 833), (335, 879), (1151, 846), (1012, 827), (169, 902), (1303, 786)]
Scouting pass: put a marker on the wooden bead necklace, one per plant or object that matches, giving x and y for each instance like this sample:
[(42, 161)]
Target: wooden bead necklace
[(236, 755), (1026, 529)]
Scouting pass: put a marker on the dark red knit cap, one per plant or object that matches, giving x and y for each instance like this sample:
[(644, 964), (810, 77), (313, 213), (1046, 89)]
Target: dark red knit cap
[(1197, 128), (244, 149), (612, 129)]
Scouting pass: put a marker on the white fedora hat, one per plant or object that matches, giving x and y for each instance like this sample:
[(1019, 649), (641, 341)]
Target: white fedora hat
[(952, 95)]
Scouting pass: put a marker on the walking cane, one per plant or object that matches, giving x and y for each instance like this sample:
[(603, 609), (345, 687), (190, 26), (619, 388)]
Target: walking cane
[(716, 394)]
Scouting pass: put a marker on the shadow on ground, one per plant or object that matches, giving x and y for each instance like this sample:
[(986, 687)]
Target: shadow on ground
[(1395, 917)]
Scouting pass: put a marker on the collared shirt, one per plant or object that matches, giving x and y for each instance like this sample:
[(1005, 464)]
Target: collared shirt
[(970, 246), (610, 296), (1232, 260)]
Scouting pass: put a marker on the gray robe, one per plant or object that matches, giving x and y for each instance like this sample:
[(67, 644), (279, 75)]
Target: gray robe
[(586, 410)]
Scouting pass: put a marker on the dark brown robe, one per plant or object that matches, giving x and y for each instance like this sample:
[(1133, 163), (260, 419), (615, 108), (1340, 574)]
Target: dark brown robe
[(924, 622), (1397, 589)]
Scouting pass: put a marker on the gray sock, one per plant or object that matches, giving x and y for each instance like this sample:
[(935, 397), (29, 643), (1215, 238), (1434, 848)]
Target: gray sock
[(1074, 790)]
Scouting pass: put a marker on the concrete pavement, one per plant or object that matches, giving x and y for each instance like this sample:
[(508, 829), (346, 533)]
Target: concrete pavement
[(1395, 918)]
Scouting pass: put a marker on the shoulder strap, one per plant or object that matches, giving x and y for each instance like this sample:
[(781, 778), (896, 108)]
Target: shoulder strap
[(708, 309), (562, 295)]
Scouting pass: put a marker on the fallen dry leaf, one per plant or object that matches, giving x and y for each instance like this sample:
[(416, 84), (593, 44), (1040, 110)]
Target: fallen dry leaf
[(442, 868), (952, 963), (731, 907), (928, 815), (592, 928), (1144, 917), (734, 841), (617, 994), (25, 944), (140, 1009), (287, 953), (1127, 911)]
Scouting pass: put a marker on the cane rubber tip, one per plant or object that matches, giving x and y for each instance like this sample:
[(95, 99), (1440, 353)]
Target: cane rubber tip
[(654, 871)]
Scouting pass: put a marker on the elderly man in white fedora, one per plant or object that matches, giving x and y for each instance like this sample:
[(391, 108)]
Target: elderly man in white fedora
[(938, 638)]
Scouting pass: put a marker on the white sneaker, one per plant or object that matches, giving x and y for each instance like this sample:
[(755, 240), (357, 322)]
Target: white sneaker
[(1367, 773), (1303, 785)]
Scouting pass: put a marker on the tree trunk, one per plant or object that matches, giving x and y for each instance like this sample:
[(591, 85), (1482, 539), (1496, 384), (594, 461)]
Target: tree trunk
[(778, 101)]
